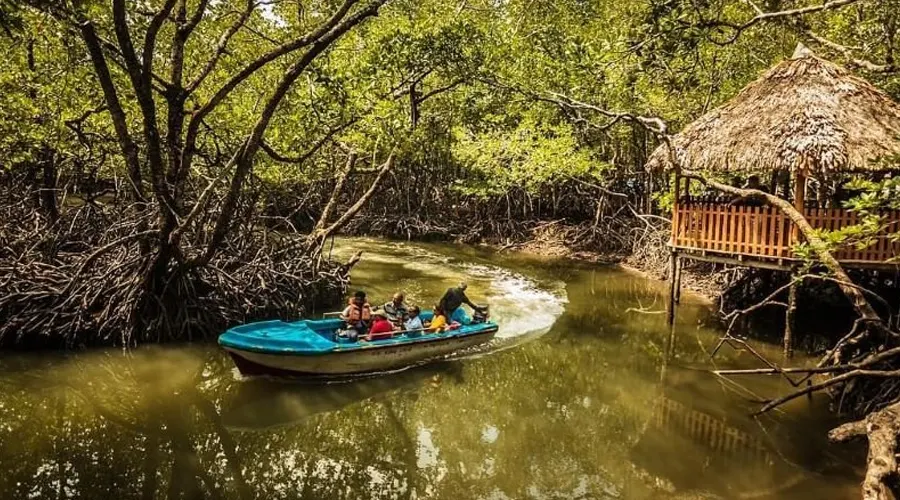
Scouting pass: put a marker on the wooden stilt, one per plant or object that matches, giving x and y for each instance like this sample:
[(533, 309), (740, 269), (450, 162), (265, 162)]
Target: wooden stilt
[(789, 323), (679, 268), (673, 266)]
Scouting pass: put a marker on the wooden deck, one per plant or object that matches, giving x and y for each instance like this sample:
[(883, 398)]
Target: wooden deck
[(764, 233)]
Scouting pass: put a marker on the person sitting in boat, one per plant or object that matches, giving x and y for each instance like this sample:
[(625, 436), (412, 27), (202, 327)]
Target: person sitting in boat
[(414, 325), (440, 323), (452, 300), (396, 309), (358, 313), (382, 327)]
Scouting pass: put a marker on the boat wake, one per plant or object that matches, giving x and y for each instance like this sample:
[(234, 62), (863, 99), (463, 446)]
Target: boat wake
[(523, 306)]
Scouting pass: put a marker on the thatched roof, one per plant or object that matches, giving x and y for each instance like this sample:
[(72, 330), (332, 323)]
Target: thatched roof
[(805, 113)]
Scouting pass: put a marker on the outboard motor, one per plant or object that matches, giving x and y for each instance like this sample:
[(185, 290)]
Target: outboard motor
[(482, 315)]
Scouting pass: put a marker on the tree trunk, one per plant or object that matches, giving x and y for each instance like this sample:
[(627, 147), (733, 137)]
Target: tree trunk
[(881, 427), (117, 113)]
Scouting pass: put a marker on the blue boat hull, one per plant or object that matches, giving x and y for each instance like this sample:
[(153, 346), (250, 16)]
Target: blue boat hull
[(309, 348)]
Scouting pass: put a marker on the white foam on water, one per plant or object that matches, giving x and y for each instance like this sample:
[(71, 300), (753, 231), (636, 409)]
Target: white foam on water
[(519, 305)]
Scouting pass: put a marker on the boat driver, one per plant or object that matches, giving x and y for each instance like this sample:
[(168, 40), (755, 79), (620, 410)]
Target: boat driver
[(452, 300)]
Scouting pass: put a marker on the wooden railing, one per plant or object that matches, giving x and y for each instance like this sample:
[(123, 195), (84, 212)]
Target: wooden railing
[(766, 232)]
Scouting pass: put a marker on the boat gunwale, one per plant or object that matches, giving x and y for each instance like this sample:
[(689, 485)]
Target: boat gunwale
[(369, 346)]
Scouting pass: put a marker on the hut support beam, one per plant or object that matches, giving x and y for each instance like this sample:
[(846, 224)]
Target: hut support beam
[(679, 268), (674, 285)]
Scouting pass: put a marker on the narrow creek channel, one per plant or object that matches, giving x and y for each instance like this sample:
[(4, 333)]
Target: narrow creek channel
[(579, 396)]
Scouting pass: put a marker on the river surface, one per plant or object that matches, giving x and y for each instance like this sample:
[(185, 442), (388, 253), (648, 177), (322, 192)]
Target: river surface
[(581, 395)]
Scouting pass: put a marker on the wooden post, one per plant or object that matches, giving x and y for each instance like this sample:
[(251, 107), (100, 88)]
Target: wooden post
[(673, 285), (679, 268), (789, 322)]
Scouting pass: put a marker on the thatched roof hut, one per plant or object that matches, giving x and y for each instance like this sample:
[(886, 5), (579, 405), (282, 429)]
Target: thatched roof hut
[(804, 114)]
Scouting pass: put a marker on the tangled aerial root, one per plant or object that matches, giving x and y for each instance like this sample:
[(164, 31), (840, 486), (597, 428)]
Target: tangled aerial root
[(83, 280)]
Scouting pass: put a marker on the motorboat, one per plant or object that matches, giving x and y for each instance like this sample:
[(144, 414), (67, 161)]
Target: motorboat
[(318, 347)]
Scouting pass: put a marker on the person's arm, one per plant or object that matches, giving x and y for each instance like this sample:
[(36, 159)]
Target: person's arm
[(466, 300)]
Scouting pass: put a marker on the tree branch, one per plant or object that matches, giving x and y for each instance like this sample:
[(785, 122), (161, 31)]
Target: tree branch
[(317, 238), (195, 19), (197, 118), (117, 113), (881, 428), (335, 195), (769, 16), (150, 37), (422, 98), (221, 46), (313, 150), (848, 54)]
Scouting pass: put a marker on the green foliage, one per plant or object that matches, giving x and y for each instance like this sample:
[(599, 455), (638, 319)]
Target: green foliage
[(874, 195), (475, 66), (665, 200), (528, 157)]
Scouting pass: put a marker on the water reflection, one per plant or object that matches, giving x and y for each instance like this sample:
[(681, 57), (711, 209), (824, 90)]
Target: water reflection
[(605, 404), (288, 402)]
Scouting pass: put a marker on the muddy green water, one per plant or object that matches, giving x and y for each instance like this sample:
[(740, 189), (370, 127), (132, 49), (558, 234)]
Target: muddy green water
[(576, 398)]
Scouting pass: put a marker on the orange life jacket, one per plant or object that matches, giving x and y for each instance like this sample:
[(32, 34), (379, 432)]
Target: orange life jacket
[(354, 314)]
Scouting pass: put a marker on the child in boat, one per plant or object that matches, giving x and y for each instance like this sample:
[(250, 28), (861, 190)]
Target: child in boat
[(382, 328), (358, 313), (414, 325), (439, 322)]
